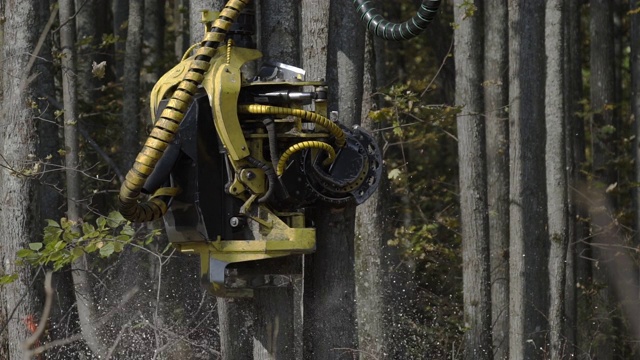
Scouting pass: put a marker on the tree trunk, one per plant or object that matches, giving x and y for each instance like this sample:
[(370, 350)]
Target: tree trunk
[(575, 157), (635, 103), (154, 27), (496, 99), (196, 28), (274, 327), (602, 87), (84, 299), (18, 207), (130, 142), (556, 174), (528, 250), (329, 273), (473, 184), (371, 234)]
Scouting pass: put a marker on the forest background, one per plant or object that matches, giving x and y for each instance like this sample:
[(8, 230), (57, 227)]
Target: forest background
[(506, 226)]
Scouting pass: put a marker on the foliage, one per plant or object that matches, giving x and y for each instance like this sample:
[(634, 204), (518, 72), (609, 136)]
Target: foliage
[(65, 241)]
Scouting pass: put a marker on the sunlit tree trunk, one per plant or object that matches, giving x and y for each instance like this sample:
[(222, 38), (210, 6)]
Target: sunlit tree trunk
[(473, 183), (18, 207), (556, 174), (528, 250), (496, 99)]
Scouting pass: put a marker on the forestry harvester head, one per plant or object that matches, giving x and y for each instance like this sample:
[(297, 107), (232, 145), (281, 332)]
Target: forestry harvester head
[(239, 152)]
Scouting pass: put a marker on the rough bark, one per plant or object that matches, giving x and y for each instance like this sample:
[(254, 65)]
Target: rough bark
[(473, 184), (556, 174), (279, 30), (196, 29), (131, 84), (181, 14), (235, 338), (528, 250), (84, 300), (496, 99), (154, 27), (18, 207), (371, 234), (329, 273)]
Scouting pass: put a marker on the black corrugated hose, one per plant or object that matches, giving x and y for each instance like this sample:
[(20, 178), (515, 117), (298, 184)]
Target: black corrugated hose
[(377, 24)]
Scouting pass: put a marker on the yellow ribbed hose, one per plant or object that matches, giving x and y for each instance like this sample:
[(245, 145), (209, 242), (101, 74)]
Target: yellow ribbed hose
[(305, 145), (306, 115), (166, 127)]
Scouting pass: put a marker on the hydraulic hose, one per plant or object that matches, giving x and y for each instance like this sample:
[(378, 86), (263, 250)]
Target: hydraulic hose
[(302, 146), (307, 115), (377, 24), (167, 126)]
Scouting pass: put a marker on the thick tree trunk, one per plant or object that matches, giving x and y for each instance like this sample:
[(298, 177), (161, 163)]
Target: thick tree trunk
[(473, 184), (131, 84), (496, 99), (528, 250), (329, 273), (196, 28), (371, 234), (84, 299), (274, 327), (154, 27), (556, 174), (120, 9), (18, 208)]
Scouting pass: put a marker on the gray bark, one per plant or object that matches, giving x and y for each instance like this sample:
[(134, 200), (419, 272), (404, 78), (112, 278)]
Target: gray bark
[(371, 234), (120, 9), (556, 174), (496, 99), (154, 27), (279, 30), (473, 184), (236, 337), (196, 29), (131, 84), (84, 300), (329, 309), (528, 250), (18, 207), (91, 24), (181, 15)]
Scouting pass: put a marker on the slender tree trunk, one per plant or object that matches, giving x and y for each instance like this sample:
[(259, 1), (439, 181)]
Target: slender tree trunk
[(154, 27), (120, 9), (131, 84), (473, 184), (528, 250), (556, 174), (602, 87), (18, 207), (496, 99), (181, 14), (575, 156), (634, 29), (84, 298)]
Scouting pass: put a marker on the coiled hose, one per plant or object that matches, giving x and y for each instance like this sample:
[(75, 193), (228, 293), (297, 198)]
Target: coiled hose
[(167, 126), (377, 24)]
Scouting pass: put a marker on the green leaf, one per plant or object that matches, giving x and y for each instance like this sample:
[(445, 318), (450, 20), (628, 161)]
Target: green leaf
[(35, 246), (115, 219), (23, 253), (107, 249), (127, 230), (8, 279), (52, 223), (102, 222), (87, 229)]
